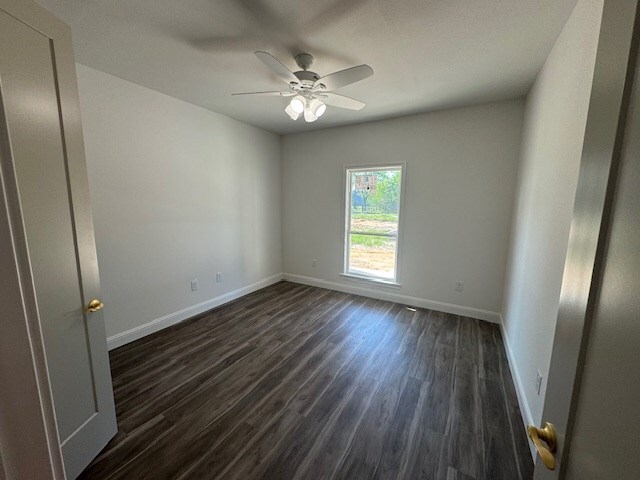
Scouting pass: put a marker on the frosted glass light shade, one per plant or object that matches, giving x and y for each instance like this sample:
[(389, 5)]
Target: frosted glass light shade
[(291, 113), (317, 107), (297, 104), (309, 116)]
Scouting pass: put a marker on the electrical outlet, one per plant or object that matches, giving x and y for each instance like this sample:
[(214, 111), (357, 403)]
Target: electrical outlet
[(538, 382), (218, 277), (314, 263), (459, 286), (194, 284)]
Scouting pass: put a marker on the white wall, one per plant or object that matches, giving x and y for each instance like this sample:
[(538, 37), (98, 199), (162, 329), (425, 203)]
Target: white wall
[(178, 193), (555, 120), (460, 181)]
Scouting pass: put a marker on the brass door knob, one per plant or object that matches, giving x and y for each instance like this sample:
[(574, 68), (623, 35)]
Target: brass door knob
[(546, 434), (95, 305)]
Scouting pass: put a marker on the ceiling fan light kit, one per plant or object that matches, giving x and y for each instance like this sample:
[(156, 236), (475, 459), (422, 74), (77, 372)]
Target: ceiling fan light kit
[(311, 107), (312, 93)]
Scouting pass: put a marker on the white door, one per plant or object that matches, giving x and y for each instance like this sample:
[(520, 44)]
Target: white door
[(585, 277), (42, 133)]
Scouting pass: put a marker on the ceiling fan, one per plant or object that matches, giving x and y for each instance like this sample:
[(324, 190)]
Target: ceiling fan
[(312, 93)]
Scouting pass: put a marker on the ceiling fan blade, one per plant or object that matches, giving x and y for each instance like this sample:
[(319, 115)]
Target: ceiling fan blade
[(276, 67), (345, 77), (269, 94), (341, 101)]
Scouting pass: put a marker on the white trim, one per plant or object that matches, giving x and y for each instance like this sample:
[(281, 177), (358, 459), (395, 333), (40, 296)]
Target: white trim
[(158, 324), (346, 213), (487, 315), (371, 280), (525, 411)]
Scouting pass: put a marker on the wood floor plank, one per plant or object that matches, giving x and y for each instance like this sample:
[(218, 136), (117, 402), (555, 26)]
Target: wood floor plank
[(298, 382), (253, 457), (214, 461), (315, 376), (465, 419), (453, 474), (156, 347), (397, 445), (497, 435), (518, 432), (198, 391), (216, 421), (329, 446), (440, 376), (365, 450), (296, 446), (427, 460), (127, 448), (328, 404)]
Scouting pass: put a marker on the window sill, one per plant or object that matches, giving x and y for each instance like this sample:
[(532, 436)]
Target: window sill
[(370, 280)]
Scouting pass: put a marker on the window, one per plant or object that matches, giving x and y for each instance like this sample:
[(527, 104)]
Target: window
[(372, 222)]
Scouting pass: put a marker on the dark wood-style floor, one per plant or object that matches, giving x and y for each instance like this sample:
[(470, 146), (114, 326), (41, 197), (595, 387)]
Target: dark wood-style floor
[(297, 382)]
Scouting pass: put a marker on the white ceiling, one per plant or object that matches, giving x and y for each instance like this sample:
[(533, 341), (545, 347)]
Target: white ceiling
[(426, 54)]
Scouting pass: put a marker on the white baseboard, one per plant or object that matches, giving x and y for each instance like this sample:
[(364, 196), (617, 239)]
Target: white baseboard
[(158, 324), (525, 411), (374, 292)]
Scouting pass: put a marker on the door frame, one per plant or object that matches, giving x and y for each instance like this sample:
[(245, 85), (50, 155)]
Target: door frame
[(29, 439), (606, 122)]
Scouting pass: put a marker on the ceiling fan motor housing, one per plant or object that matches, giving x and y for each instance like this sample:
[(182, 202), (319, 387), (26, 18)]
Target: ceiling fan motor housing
[(305, 75)]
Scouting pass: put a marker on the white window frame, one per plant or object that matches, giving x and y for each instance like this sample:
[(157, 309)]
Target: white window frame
[(346, 231)]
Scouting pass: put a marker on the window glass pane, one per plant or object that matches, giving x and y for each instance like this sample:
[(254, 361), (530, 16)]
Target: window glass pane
[(374, 223), (372, 255), (375, 201)]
